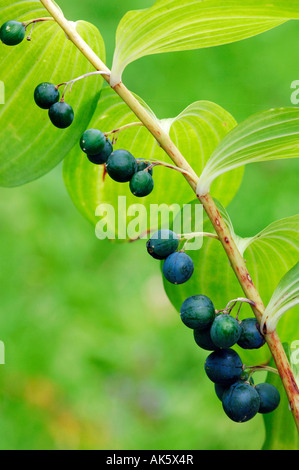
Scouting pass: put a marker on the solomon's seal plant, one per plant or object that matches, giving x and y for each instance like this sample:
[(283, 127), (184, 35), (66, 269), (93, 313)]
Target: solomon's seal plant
[(139, 141)]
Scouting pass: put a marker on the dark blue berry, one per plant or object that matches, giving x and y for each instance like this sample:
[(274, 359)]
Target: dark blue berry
[(203, 339), (178, 268), (224, 366), (92, 142), (46, 94), (12, 33), (103, 156), (241, 402), (198, 312), (269, 397), (143, 164), (61, 114), (162, 244), (121, 166), (225, 331), (141, 184), (251, 337)]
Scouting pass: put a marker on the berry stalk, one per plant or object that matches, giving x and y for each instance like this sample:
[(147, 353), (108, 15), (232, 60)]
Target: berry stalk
[(236, 259)]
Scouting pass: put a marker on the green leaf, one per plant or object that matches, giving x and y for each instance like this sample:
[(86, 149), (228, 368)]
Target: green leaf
[(284, 298), (177, 25), (269, 255), (268, 135), (30, 145), (281, 432), (196, 132)]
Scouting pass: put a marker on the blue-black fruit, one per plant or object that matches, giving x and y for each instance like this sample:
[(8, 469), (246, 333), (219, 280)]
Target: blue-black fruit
[(141, 183), (198, 312), (121, 166), (269, 397), (203, 339), (224, 366), (241, 402), (103, 156), (163, 243), (93, 142), (251, 337), (178, 268), (46, 94), (12, 33), (225, 331), (143, 164), (220, 389), (61, 114)]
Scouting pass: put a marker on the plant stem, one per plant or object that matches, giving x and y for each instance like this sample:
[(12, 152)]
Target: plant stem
[(236, 259), (261, 369), (188, 236), (123, 128)]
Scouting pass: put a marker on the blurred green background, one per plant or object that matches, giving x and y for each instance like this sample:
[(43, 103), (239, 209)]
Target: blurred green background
[(96, 357)]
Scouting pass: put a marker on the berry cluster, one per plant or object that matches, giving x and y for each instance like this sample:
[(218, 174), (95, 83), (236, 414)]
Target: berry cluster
[(178, 267), (121, 165), (217, 332), (46, 96)]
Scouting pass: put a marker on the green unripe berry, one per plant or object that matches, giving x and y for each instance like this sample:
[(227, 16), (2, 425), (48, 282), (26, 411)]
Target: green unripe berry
[(198, 312), (92, 142), (141, 184), (61, 114), (121, 166), (12, 33), (162, 244), (46, 94), (143, 164), (103, 156), (225, 331)]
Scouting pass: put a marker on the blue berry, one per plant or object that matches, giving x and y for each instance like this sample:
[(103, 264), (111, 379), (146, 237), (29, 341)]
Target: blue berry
[(12, 33), (141, 184), (61, 114), (121, 166), (203, 339), (198, 312), (92, 142), (224, 366), (225, 331), (162, 244), (178, 268), (269, 397), (143, 164), (241, 402), (103, 156), (251, 336), (46, 94)]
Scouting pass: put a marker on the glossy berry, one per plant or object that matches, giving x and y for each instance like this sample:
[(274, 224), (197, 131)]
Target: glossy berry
[(178, 268), (203, 339), (223, 366), (46, 94), (103, 156), (143, 164), (241, 402), (61, 114), (225, 331), (142, 183), (12, 33), (220, 389), (269, 397), (198, 312), (251, 337), (121, 166), (162, 244), (92, 142)]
